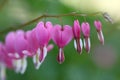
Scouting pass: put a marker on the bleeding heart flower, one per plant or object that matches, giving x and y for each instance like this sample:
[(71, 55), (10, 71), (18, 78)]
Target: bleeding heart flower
[(77, 32), (15, 44), (32, 43), (42, 36), (4, 58), (86, 32), (9, 44), (61, 36), (5, 62), (98, 27)]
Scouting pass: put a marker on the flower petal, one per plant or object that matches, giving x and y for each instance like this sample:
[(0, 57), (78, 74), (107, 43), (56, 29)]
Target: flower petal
[(20, 43), (87, 44), (86, 29), (75, 44), (98, 25), (76, 29), (24, 65), (56, 34), (62, 36), (36, 59), (60, 57), (78, 45), (66, 35), (2, 71), (42, 34), (50, 47), (49, 28), (9, 42), (43, 54), (32, 42), (17, 65), (100, 37)]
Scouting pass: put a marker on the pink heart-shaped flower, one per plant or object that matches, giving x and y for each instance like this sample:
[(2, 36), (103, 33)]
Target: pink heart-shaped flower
[(62, 35)]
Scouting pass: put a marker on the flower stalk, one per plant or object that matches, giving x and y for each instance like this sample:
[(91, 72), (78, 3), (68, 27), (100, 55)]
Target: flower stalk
[(48, 16)]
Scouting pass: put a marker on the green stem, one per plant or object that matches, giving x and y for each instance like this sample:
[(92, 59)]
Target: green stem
[(48, 16)]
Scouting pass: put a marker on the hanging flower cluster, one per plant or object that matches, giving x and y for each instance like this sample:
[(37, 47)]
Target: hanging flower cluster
[(35, 43)]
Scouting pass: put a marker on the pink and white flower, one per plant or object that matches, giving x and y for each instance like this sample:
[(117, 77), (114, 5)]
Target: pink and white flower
[(15, 44), (5, 62), (86, 33), (77, 36), (61, 37), (42, 35), (98, 27)]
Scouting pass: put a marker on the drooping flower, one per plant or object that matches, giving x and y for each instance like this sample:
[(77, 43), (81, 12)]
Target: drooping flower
[(42, 35), (4, 58), (15, 44), (98, 27), (34, 47), (86, 33), (61, 37), (32, 44), (77, 34), (5, 62)]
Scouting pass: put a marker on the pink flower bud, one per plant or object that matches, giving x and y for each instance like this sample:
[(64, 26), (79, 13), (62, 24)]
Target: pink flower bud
[(76, 29), (76, 33), (98, 27), (86, 29), (86, 33)]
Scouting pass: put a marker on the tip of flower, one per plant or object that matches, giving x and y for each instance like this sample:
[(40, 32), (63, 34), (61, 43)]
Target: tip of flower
[(108, 17), (50, 47), (36, 61), (100, 37), (24, 65), (60, 57), (17, 65), (78, 46), (37, 65), (87, 44), (102, 43)]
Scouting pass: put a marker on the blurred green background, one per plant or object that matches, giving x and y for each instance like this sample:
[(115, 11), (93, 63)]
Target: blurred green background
[(103, 62)]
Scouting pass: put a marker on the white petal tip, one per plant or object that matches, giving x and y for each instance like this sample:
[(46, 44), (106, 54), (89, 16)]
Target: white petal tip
[(37, 65), (101, 37), (75, 44), (87, 44), (24, 65), (17, 65)]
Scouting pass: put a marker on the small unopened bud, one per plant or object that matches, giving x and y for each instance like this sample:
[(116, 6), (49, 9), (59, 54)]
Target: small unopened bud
[(86, 34), (77, 34), (98, 26), (107, 17)]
